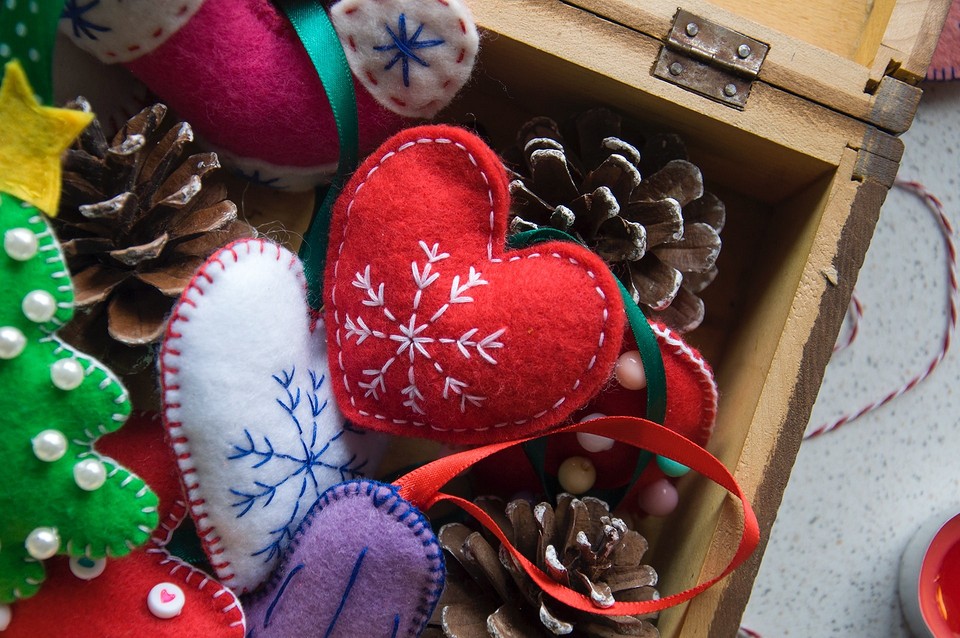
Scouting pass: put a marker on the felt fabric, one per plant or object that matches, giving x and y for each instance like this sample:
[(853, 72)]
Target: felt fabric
[(115, 603), (435, 329), (249, 410), (411, 55), (691, 411), (118, 31), (141, 446), (945, 64), (365, 562), (32, 137), (238, 73), (112, 519)]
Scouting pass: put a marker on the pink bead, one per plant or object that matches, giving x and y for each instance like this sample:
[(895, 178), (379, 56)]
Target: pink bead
[(629, 371), (659, 498)]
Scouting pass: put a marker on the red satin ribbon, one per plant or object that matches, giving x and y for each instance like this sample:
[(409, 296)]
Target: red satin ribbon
[(421, 487)]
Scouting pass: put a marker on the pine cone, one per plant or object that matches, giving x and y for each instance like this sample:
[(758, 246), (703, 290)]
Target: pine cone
[(136, 220), (579, 544), (660, 234)]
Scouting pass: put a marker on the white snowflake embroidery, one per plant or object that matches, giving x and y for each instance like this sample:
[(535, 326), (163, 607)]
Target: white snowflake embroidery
[(415, 336)]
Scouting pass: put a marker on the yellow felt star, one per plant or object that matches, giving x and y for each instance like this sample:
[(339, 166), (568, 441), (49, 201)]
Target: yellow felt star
[(32, 137)]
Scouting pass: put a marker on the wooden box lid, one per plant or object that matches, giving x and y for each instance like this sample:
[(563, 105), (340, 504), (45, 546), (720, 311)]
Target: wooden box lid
[(859, 57)]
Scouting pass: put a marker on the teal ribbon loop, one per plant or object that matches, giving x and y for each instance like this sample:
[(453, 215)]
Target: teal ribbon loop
[(316, 32), (650, 356)]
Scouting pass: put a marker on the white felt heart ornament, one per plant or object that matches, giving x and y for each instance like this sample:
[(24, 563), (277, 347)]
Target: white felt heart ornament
[(248, 408)]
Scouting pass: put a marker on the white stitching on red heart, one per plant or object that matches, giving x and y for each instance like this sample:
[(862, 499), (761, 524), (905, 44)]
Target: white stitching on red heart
[(490, 257)]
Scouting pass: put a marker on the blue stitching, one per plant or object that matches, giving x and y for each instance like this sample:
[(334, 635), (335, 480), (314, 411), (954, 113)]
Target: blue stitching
[(283, 588), (405, 47), (346, 592), (74, 12), (396, 625), (302, 464), (430, 595)]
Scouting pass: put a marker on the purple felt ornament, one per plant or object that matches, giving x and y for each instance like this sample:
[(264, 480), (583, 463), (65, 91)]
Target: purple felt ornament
[(364, 562)]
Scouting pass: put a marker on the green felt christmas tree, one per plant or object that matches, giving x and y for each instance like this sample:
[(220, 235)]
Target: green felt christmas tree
[(59, 496)]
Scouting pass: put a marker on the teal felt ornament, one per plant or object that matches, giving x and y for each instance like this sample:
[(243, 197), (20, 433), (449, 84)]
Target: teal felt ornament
[(59, 496)]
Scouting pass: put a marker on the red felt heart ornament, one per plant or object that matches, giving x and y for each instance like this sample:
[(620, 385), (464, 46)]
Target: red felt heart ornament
[(434, 328)]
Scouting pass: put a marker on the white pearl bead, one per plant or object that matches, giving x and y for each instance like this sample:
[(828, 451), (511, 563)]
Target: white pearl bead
[(43, 542), (50, 445), (89, 474), (86, 568), (67, 374), (39, 306), (629, 371), (20, 244), (12, 342), (6, 615), (593, 442), (577, 475)]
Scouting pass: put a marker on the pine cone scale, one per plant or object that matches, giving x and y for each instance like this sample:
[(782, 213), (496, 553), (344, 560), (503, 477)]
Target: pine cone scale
[(638, 210), (577, 544), (173, 280), (138, 215), (135, 255), (94, 284), (202, 221)]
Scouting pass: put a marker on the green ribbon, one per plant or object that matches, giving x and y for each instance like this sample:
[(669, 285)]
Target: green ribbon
[(313, 27), (650, 356), (28, 30)]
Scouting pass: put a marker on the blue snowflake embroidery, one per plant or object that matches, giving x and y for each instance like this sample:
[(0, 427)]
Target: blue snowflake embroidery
[(405, 47), (74, 12), (260, 180), (298, 467)]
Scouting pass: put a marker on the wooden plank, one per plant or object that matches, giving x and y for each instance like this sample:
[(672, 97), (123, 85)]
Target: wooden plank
[(909, 40), (601, 60), (793, 64), (802, 349)]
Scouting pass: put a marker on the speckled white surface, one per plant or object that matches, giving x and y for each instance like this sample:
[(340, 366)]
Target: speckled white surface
[(857, 495)]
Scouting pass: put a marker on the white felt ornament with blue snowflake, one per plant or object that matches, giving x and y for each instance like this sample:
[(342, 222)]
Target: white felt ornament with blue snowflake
[(249, 410)]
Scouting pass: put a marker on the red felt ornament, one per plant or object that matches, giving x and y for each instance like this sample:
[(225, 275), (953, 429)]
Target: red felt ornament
[(434, 328), (691, 411)]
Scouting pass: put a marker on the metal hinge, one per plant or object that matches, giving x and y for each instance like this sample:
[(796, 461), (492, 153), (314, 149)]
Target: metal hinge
[(710, 59)]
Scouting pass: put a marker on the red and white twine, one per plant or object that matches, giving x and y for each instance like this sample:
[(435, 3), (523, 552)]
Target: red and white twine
[(856, 312)]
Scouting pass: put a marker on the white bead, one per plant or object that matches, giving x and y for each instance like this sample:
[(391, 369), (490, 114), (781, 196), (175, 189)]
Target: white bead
[(577, 475), (67, 374), (594, 442), (89, 474), (86, 568), (43, 542), (629, 371), (6, 615), (166, 600), (12, 342), (39, 306), (20, 244), (50, 445)]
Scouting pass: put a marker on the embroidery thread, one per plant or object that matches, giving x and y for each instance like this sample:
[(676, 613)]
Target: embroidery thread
[(303, 463), (405, 47), (416, 339)]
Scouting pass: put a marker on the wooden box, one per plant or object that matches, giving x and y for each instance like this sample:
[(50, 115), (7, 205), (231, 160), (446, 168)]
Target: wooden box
[(803, 164)]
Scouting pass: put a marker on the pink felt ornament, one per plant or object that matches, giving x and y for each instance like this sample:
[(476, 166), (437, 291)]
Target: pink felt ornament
[(236, 70)]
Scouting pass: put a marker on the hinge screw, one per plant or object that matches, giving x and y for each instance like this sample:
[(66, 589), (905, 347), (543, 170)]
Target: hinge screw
[(730, 90), (676, 68), (693, 29), (744, 51)]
